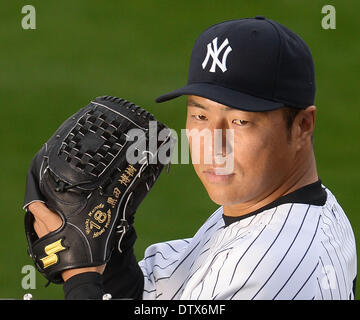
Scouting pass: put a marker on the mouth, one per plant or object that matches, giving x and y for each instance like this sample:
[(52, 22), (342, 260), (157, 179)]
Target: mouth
[(218, 176)]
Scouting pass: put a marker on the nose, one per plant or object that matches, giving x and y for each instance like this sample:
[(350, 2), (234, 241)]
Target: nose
[(222, 139), (221, 145), (212, 145)]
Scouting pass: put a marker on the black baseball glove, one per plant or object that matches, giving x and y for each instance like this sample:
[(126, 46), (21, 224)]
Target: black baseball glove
[(94, 172)]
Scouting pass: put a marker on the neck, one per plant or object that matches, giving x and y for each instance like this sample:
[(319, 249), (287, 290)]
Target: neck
[(297, 178)]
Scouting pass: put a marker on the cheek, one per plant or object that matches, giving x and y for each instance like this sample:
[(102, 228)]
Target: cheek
[(261, 154), (248, 149)]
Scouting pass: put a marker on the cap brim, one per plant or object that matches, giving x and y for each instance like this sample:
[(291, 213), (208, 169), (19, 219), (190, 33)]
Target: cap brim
[(225, 96)]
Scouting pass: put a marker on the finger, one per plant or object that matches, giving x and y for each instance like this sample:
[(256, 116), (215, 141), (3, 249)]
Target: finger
[(40, 210), (45, 219), (40, 228)]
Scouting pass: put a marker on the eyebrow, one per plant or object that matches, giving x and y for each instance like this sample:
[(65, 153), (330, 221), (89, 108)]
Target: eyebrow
[(193, 103)]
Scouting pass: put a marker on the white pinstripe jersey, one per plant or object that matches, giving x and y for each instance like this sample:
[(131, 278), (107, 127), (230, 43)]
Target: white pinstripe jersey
[(286, 251)]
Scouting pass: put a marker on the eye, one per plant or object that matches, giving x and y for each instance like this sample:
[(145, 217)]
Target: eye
[(199, 117), (240, 122)]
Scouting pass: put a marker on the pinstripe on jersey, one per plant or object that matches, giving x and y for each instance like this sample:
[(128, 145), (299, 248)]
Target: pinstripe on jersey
[(290, 251)]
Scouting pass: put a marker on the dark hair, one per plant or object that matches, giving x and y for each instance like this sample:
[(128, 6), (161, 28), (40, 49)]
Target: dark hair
[(290, 114)]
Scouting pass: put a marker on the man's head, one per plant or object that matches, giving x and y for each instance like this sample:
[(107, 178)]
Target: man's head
[(266, 149), (255, 77)]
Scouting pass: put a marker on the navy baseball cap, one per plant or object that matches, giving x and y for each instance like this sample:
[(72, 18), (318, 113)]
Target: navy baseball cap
[(251, 64)]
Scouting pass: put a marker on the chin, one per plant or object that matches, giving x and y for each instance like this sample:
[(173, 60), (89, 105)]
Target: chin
[(223, 198)]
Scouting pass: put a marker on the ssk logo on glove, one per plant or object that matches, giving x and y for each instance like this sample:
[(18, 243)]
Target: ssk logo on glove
[(51, 250)]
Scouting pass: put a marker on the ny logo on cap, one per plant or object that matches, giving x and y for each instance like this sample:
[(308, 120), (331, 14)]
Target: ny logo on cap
[(213, 51)]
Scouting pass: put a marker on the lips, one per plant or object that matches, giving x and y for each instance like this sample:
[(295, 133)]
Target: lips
[(218, 175)]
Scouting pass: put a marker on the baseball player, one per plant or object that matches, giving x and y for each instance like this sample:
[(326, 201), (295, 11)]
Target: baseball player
[(278, 233)]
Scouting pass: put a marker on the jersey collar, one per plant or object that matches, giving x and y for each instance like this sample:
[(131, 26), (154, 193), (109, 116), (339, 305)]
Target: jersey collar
[(313, 194)]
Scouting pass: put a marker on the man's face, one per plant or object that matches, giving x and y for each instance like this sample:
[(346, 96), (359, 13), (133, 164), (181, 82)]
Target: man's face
[(259, 146)]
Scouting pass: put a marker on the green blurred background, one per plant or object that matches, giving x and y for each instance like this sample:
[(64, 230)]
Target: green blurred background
[(138, 50)]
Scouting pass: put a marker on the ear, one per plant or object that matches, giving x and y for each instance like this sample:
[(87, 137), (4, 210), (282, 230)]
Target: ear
[(303, 127)]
